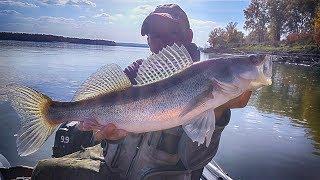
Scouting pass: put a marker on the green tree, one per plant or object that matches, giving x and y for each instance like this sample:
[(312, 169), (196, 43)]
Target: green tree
[(317, 28), (256, 20), (233, 36), (276, 21), (299, 15), (294, 18)]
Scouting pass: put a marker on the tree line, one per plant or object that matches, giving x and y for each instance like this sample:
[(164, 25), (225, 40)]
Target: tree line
[(51, 38), (273, 22)]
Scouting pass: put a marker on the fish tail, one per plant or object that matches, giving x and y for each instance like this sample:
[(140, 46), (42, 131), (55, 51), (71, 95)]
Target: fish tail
[(32, 107)]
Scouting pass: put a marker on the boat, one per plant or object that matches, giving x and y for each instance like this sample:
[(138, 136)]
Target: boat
[(211, 172)]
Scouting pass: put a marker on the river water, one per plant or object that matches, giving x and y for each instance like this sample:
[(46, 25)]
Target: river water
[(277, 136)]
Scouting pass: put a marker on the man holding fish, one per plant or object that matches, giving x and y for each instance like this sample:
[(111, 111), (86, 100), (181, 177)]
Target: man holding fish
[(163, 114), (166, 25)]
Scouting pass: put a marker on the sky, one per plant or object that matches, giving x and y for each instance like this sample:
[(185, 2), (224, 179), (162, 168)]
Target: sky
[(117, 20)]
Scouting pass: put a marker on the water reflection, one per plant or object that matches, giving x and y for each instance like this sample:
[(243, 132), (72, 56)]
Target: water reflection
[(295, 93)]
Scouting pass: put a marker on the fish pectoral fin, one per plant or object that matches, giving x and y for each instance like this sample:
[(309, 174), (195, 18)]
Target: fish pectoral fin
[(201, 128), (197, 101), (227, 88), (169, 61), (107, 79)]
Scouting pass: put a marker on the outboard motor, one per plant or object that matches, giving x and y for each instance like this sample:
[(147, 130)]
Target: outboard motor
[(69, 139), (3, 164)]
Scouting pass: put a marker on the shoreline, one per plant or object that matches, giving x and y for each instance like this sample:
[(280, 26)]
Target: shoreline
[(26, 37), (297, 57)]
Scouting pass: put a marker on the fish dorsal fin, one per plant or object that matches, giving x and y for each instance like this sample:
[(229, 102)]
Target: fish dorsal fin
[(107, 79), (170, 60)]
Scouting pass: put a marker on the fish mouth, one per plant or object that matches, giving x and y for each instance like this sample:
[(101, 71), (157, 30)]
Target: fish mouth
[(264, 72)]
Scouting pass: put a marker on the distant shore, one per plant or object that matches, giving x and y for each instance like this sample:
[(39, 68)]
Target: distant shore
[(297, 54), (54, 38)]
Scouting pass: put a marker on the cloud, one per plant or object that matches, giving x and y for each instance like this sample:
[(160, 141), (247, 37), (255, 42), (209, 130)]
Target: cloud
[(138, 13), (17, 3), (103, 15), (116, 17), (55, 20), (14, 21), (134, 15), (9, 13), (197, 23), (142, 10), (110, 18), (68, 2), (81, 3), (201, 30), (19, 18)]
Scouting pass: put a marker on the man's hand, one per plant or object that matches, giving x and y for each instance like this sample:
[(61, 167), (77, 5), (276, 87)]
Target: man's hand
[(132, 70), (108, 132), (238, 102)]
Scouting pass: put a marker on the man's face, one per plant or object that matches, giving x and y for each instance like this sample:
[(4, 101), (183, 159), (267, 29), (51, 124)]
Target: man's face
[(165, 32)]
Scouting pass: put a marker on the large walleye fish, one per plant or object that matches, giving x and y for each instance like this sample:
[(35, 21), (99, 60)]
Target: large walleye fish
[(171, 91)]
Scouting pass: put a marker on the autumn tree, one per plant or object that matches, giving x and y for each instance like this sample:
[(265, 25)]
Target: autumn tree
[(226, 37), (217, 37)]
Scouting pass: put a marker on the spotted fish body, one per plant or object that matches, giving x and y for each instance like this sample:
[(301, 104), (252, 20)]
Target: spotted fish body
[(171, 91)]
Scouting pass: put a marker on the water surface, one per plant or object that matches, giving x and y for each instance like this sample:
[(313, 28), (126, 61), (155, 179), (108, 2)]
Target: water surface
[(277, 136)]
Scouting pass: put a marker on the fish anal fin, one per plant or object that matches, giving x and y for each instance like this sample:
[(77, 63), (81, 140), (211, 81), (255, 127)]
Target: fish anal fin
[(201, 128), (107, 79)]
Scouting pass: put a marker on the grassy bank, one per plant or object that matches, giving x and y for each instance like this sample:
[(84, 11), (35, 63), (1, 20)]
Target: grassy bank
[(300, 49), (297, 54), (281, 49)]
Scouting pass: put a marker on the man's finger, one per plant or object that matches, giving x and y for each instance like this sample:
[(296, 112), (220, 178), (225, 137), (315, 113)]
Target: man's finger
[(139, 61), (98, 135), (118, 134), (82, 126), (135, 65), (104, 133), (110, 132)]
